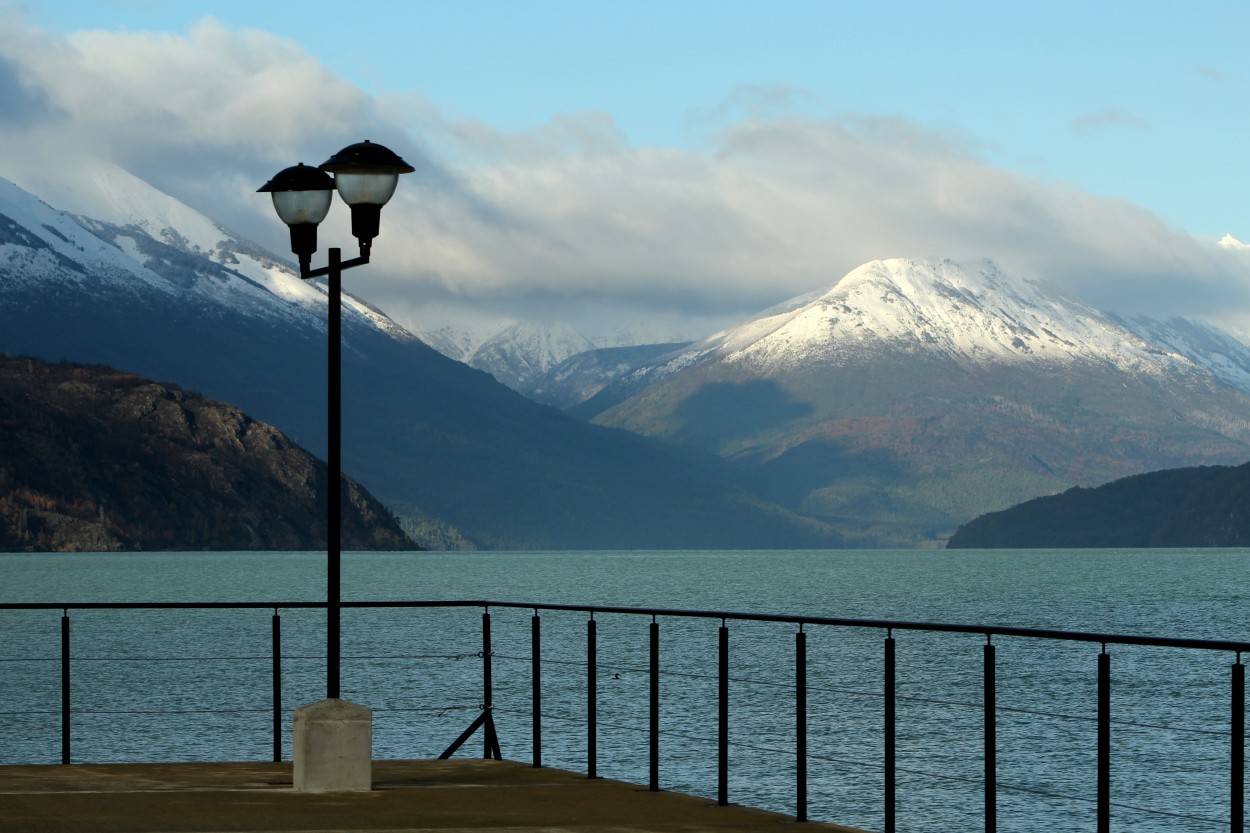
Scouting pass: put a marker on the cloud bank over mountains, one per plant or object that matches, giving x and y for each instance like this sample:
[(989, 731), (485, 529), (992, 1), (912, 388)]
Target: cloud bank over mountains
[(570, 220)]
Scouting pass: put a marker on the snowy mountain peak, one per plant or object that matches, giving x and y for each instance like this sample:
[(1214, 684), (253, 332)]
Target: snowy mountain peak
[(972, 312), (139, 240), (39, 240), (110, 194), (526, 350)]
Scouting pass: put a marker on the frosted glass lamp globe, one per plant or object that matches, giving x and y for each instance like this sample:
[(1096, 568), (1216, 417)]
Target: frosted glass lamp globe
[(301, 194), (365, 175)]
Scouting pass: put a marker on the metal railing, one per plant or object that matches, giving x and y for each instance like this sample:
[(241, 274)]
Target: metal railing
[(889, 696)]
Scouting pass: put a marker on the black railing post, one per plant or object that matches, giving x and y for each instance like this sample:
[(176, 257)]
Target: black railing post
[(800, 725), (1237, 751), (991, 743), (722, 746), (536, 688), (592, 699), (65, 688), (1104, 741), (276, 651), (889, 739), (487, 683), (654, 784)]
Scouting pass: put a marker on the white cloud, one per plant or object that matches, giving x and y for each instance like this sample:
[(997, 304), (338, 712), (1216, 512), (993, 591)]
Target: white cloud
[(784, 206), (570, 217), (207, 117)]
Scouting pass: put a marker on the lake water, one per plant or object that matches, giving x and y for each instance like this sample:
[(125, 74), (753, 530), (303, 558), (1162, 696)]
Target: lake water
[(195, 685)]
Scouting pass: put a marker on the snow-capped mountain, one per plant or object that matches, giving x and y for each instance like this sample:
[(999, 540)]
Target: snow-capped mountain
[(151, 299), (523, 354), (901, 401), (451, 342), (515, 353), (974, 314), (131, 215), (444, 445), (145, 254), (525, 351), (582, 375), (913, 393), (527, 355)]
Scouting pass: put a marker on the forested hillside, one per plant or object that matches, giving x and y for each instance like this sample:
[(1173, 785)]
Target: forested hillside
[(1204, 506), (92, 459)]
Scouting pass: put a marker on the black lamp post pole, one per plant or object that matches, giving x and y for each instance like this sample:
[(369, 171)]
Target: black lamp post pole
[(333, 272), (334, 472)]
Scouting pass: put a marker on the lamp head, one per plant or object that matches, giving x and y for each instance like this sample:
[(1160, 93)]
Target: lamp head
[(301, 196), (365, 175)]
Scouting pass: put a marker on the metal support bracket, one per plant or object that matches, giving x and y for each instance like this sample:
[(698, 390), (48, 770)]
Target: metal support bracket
[(486, 722)]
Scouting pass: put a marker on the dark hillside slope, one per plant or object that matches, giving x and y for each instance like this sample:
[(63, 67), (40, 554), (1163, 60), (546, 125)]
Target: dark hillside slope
[(513, 474), (1204, 506), (97, 460)]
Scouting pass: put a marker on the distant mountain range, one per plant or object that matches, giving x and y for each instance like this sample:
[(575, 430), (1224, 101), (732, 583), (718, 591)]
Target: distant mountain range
[(151, 287), (884, 410), (1205, 506), (582, 376), (523, 352), (539, 360), (914, 395)]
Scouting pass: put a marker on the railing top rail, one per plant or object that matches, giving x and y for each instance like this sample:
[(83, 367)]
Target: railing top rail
[(988, 631), (156, 605), (889, 625)]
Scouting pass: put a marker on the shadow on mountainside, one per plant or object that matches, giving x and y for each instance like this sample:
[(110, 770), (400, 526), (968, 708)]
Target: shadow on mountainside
[(721, 412)]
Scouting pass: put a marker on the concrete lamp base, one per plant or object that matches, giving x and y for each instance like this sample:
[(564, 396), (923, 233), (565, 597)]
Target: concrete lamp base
[(333, 747)]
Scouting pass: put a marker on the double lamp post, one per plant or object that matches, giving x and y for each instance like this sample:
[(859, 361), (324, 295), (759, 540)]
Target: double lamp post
[(365, 176)]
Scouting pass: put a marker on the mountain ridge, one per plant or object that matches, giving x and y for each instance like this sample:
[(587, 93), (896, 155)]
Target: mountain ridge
[(444, 445), (885, 409)]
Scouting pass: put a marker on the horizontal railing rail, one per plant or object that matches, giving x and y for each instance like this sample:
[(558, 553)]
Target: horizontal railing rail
[(1236, 646), (799, 685)]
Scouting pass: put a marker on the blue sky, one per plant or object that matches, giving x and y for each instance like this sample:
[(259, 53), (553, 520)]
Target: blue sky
[(1120, 126)]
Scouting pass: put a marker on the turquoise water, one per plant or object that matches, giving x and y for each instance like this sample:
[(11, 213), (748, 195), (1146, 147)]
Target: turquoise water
[(1199, 593), (418, 669)]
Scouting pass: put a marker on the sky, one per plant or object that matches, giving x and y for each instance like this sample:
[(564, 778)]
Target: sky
[(680, 163)]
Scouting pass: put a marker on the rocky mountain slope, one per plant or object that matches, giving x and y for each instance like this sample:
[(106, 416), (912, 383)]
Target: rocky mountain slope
[(523, 352), (459, 456), (551, 363), (96, 460), (1205, 345), (581, 376), (1206, 506), (914, 395)]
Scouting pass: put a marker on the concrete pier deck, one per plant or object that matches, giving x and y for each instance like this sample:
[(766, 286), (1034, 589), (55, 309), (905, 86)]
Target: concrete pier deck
[(452, 795)]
